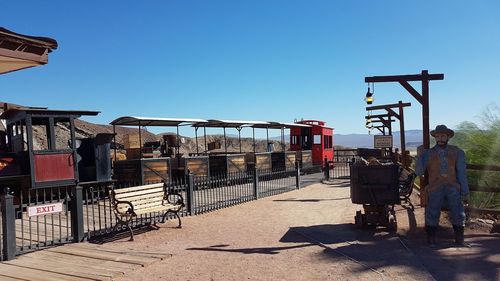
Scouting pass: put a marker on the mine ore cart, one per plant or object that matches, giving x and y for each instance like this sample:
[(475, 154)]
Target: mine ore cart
[(379, 184), (376, 187)]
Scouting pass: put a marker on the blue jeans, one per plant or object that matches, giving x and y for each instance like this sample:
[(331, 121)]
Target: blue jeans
[(436, 199)]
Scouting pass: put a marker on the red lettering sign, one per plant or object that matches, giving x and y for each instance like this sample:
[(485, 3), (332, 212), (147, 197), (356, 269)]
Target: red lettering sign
[(45, 209)]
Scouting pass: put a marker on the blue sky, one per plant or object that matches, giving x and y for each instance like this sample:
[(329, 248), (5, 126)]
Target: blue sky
[(258, 60)]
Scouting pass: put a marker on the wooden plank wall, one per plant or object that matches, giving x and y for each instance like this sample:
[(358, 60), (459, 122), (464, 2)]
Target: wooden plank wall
[(236, 163), (155, 170)]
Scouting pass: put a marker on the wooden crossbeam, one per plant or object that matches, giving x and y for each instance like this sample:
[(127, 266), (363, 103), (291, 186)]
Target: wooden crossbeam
[(385, 106), (411, 77)]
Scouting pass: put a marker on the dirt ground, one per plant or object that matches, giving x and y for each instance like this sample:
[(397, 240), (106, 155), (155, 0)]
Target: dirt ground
[(308, 234)]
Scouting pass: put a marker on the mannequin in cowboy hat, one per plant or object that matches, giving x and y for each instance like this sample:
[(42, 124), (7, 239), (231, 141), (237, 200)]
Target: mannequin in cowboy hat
[(447, 178)]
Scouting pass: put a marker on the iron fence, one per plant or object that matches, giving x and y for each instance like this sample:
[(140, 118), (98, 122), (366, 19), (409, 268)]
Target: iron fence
[(275, 182), (36, 218), (342, 160)]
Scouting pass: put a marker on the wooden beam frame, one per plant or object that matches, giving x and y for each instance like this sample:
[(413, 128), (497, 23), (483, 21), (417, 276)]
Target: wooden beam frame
[(422, 98)]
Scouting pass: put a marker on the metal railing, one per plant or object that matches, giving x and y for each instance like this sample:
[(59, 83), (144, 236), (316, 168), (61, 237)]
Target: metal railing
[(85, 212), (339, 168)]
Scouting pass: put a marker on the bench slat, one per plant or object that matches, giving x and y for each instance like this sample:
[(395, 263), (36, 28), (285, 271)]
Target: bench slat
[(137, 188), (140, 204), (139, 197), (123, 196), (149, 205), (155, 208), (160, 208)]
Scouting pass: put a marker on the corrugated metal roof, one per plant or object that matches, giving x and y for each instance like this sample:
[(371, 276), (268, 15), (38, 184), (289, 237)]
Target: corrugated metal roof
[(278, 125), (215, 123), (155, 121)]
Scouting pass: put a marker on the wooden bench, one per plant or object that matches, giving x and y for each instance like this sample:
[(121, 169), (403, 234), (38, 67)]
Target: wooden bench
[(131, 202)]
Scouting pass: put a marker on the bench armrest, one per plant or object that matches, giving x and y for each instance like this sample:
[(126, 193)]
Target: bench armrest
[(174, 198), (130, 210)]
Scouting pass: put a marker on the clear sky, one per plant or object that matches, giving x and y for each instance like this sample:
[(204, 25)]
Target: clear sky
[(257, 60)]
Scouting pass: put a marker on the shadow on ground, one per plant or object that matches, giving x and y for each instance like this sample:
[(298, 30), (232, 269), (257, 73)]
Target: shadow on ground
[(310, 200), (377, 251), (125, 234), (389, 255)]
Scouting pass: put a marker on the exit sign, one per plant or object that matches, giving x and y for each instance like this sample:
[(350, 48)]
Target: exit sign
[(44, 209)]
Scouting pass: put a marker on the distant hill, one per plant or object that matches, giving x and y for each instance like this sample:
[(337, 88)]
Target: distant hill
[(413, 138)]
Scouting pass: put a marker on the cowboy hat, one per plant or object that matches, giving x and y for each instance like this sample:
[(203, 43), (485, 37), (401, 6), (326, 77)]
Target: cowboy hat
[(442, 129)]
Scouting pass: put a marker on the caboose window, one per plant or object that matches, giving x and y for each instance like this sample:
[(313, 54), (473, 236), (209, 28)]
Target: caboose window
[(317, 139), (18, 141), (41, 134), (294, 139), (328, 142), (62, 130)]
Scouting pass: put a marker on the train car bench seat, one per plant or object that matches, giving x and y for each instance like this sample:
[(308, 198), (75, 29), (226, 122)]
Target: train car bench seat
[(131, 202)]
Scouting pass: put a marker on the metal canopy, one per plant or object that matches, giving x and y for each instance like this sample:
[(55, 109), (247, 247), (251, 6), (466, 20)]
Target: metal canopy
[(278, 125), (19, 51), (215, 123), (152, 121), (11, 112)]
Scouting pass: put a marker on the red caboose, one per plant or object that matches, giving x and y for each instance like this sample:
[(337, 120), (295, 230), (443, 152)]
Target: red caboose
[(317, 138)]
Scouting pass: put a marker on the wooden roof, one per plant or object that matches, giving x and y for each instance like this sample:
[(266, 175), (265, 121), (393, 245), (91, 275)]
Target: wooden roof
[(18, 51)]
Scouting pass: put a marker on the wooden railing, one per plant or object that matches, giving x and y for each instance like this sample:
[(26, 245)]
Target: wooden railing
[(476, 188)]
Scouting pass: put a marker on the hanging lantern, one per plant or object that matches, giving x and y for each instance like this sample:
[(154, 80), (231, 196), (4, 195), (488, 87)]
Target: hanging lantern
[(369, 97)]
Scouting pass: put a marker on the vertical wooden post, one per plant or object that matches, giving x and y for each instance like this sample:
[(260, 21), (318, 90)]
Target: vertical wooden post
[(196, 138), (114, 140), (140, 141), (253, 134), (225, 141), (402, 134), (205, 136), (425, 125), (239, 136), (425, 108)]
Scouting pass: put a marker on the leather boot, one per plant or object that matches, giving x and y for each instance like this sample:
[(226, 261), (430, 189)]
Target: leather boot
[(459, 235), (431, 235)]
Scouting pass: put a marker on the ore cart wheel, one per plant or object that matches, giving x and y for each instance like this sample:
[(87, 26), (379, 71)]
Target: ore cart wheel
[(357, 219), (392, 225), (364, 221)]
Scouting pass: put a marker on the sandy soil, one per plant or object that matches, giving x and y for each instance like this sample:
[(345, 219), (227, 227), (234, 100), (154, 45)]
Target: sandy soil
[(307, 234)]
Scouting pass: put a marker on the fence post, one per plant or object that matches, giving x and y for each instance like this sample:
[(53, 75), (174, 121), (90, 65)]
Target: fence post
[(8, 225), (190, 194), (76, 207), (326, 170), (255, 183), (297, 175)]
